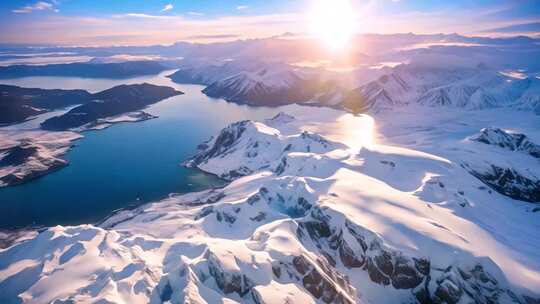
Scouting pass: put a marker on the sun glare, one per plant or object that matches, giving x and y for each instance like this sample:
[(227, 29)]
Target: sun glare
[(333, 22)]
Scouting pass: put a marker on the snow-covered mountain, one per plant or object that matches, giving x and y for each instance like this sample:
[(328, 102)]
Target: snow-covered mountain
[(507, 140), (206, 72), (316, 212), (384, 93), (530, 98), (468, 88), (517, 176), (271, 86)]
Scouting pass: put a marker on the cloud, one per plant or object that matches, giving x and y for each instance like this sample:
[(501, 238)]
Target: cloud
[(38, 6), (141, 16), (212, 37), (144, 29), (242, 7), (167, 7), (531, 27)]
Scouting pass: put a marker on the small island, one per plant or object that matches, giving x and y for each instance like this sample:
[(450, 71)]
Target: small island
[(27, 155), (112, 102), (18, 104)]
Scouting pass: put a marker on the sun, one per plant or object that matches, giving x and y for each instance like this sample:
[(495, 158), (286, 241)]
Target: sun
[(333, 22)]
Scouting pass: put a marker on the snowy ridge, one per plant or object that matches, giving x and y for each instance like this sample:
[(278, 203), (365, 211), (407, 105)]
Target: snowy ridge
[(530, 99), (251, 146), (385, 93), (206, 73), (507, 140), (324, 221), (516, 175), (270, 86), (468, 97), (468, 88)]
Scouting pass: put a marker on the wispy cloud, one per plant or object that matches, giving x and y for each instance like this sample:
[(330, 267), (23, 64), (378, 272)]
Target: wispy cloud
[(139, 28), (242, 7), (530, 27), (135, 29), (212, 37), (38, 6), (167, 7), (142, 16)]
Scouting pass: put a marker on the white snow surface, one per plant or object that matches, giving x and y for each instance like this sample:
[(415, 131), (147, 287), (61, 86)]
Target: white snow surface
[(103, 123), (395, 178), (51, 146), (470, 88)]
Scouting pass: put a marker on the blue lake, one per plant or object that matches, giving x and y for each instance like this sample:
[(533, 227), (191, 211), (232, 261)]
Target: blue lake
[(127, 164)]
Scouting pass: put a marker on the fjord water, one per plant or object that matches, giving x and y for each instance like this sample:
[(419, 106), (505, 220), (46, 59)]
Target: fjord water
[(127, 164)]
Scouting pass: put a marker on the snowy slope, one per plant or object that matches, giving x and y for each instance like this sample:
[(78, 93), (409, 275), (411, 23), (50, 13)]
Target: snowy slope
[(269, 86), (206, 72), (321, 209), (530, 98), (469, 88), (507, 140)]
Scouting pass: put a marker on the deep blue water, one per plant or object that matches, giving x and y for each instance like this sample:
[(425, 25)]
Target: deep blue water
[(127, 164)]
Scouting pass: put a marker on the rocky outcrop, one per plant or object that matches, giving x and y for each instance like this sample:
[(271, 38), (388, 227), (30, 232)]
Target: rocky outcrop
[(516, 174), (508, 181), (252, 146), (358, 248), (220, 145), (319, 278), (507, 140), (227, 281)]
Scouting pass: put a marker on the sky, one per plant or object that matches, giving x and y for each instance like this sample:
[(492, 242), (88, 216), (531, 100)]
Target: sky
[(145, 22)]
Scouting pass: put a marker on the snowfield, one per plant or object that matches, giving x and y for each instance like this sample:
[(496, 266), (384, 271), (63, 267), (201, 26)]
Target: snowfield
[(28, 154), (322, 207)]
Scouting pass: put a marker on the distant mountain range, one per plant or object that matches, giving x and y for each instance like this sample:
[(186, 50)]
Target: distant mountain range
[(366, 47), (273, 84), (91, 70), (469, 88)]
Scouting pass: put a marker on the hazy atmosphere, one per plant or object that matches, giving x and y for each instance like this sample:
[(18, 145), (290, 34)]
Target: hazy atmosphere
[(93, 23), (312, 151)]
